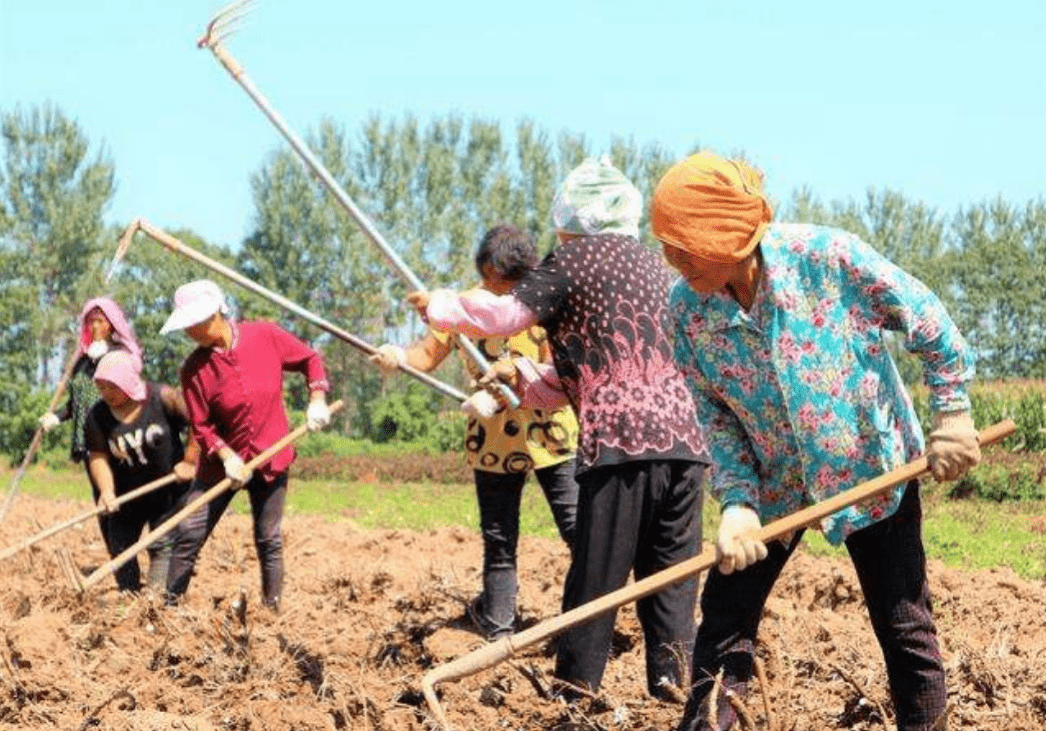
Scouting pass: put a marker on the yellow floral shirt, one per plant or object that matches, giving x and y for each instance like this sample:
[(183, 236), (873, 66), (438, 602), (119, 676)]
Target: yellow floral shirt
[(517, 440)]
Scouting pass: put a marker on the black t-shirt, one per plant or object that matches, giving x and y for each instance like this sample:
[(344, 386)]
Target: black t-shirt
[(139, 452)]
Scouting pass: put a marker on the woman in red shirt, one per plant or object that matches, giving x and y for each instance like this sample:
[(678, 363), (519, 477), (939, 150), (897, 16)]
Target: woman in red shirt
[(233, 385)]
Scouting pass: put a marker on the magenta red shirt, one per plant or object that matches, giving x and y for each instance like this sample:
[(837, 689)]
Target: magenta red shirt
[(235, 395)]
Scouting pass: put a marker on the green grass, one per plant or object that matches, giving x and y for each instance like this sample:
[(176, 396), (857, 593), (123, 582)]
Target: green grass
[(399, 506), (972, 534), (62, 484), (968, 534)]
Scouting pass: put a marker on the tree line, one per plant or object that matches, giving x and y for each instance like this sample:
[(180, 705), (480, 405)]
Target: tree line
[(431, 187)]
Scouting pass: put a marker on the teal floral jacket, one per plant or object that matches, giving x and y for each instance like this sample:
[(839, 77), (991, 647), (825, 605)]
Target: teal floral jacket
[(799, 395)]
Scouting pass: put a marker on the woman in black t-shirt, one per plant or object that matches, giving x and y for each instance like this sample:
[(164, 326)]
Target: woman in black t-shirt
[(133, 437)]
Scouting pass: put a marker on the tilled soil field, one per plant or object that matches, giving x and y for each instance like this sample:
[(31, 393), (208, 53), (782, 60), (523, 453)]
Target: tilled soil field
[(366, 614)]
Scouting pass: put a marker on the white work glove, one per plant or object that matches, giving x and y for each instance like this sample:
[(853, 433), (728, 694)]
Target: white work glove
[(237, 471), (953, 447), (389, 358), (736, 548), (318, 415), (49, 421), (481, 405)]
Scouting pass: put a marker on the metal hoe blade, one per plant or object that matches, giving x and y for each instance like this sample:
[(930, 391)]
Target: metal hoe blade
[(225, 22)]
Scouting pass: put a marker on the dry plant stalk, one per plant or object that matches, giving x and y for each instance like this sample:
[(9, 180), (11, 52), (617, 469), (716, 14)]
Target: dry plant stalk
[(68, 567), (860, 691), (712, 714), (942, 721), (90, 718), (743, 714), (760, 674)]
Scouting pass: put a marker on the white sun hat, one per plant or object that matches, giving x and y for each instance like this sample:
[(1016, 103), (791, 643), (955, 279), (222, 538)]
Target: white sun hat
[(193, 303)]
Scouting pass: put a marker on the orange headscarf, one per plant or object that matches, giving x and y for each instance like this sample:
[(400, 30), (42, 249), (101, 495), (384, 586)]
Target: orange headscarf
[(710, 207)]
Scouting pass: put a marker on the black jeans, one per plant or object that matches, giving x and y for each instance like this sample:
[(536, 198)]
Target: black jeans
[(124, 528), (891, 567), (499, 498), (638, 517), (267, 501)]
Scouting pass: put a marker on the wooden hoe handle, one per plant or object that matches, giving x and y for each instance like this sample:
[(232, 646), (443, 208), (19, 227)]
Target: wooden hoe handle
[(59, 527), (491, 654), (38, 435)]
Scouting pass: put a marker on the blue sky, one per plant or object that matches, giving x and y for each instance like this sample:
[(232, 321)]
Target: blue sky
[(945, 102)]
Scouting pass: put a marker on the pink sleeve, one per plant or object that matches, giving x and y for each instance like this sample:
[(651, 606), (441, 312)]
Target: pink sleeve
[(542, 388), (478, 313)]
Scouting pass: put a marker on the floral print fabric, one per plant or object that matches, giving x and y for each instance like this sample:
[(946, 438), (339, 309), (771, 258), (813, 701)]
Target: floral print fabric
[(603, 301), (800, 397)]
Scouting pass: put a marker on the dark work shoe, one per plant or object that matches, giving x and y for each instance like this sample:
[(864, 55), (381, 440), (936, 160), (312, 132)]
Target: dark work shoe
[(486, 628)]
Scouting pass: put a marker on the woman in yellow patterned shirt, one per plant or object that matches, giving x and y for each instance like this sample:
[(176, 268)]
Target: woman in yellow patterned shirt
[(504, 448)]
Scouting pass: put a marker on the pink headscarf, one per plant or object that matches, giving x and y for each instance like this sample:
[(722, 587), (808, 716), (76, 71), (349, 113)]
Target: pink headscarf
[(120, 368), (123, 333)]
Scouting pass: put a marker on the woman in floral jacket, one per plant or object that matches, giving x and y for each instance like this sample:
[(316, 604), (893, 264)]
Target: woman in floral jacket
[(780, 332)]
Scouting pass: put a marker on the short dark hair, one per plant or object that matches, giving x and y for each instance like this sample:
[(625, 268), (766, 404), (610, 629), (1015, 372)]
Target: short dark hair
[(508, 249)]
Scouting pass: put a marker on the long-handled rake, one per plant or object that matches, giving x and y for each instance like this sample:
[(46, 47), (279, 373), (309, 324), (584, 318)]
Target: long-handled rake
[(225, 22), (490, 655), (168, 525), (173, 244), (77, 519)]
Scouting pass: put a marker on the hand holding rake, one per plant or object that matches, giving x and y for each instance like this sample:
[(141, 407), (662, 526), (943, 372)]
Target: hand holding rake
[(97, 509)]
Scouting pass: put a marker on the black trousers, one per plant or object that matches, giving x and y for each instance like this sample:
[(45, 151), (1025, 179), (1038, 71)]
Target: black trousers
[(267, 502), (124, 528), (891, 567), (499, 497), (638, 517)]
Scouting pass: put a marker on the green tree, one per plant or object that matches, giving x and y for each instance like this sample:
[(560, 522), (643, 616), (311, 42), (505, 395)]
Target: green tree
[(999, 260), (53, 193)]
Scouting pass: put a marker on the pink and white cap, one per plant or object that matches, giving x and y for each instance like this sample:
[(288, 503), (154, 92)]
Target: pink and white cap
[(120, 368), (193, 303)]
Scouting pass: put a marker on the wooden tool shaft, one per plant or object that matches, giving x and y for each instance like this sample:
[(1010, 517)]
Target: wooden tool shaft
[(59, 527)]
